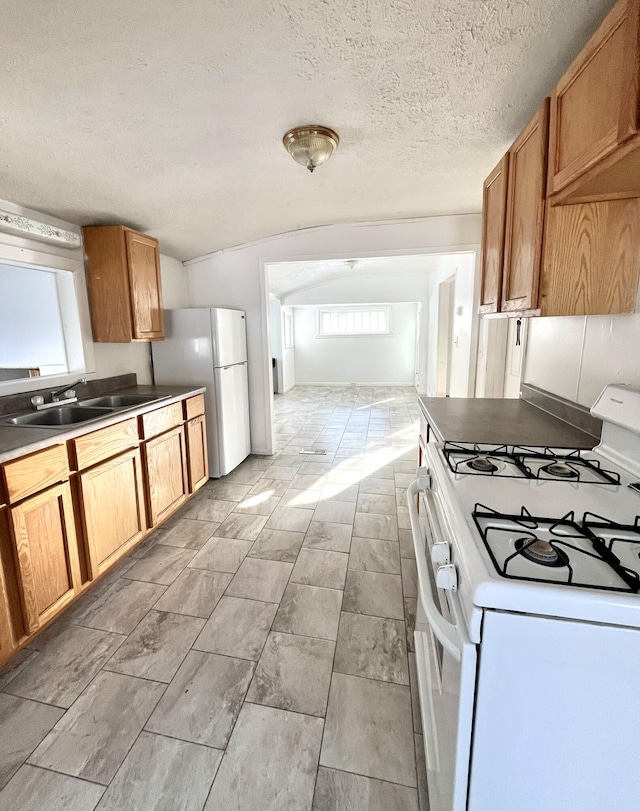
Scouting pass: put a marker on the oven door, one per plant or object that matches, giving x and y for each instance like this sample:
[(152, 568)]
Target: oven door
[(445, 662)]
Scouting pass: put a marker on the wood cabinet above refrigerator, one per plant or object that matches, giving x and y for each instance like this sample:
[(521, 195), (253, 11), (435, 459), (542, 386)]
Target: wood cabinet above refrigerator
[(123, 279)]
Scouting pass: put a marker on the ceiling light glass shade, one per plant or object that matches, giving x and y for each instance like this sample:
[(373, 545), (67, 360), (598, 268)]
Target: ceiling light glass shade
[(311, 145)]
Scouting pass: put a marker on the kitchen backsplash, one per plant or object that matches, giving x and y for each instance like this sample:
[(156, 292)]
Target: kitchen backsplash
[(576, 357)]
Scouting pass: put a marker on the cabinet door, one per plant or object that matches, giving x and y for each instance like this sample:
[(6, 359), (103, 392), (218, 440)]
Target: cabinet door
[(166, 471), (11, 626), (112, 506), (145, 287), (494, 209), (591, 258), (586, 103), (47, 554), (525, 214), (197, 453)]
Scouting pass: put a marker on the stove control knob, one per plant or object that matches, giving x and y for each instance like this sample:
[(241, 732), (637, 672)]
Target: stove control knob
[(440, 553), (447, 577)]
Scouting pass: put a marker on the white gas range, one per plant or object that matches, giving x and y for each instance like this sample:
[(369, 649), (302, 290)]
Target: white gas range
[(528, 625)]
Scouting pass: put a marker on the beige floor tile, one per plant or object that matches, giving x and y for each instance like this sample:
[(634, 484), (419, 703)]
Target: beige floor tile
[(195, 592), (259, 579), (372, 555), (294, 673), (34, 789), (162, 773), (237, 627), (342, 791), (203, 701), (157, 647), (221, 555), (257, 769), (277, 544), (316, 567), (309, 611), (372, 647), (363, 716), (294, 519), (373, 593), (328, 536), (94, 736), (23, 724)]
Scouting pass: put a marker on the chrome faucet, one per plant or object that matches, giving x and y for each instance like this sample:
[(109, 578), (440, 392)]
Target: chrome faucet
[(68, 391)]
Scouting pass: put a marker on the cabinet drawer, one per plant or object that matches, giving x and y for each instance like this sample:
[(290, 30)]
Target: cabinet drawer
[(158, 421), (92, 448), (194, 407), (33, 473)]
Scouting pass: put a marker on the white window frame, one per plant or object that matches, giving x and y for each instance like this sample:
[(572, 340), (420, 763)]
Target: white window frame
[(287, 331), (320, 333)]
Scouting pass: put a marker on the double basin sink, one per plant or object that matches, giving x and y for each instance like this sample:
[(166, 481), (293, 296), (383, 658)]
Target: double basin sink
[(92, 408)]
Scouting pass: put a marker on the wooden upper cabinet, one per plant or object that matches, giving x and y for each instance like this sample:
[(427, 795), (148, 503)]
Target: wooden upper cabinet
[(525, 215), (494, 209), (591, 258), (594, 147), (123, 278)]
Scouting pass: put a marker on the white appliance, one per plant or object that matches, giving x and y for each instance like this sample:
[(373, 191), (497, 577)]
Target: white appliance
[(528, 622), (208, 347)]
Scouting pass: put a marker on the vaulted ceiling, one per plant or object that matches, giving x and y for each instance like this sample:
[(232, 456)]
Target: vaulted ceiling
[(288, 277), (168, 115)]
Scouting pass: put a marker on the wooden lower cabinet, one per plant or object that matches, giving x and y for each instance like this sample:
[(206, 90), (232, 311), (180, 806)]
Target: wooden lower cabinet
[(198, 462), (11, 624), (111, 501), (166, 472), (46, 553)]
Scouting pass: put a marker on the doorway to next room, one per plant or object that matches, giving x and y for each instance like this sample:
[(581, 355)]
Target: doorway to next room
[(374, 321)]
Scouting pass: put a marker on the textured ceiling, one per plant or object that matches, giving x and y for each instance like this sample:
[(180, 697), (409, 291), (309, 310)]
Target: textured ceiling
[(288, 277), (168, 116)]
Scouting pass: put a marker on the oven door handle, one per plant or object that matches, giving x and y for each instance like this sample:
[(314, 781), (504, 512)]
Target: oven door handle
[(445, 632)]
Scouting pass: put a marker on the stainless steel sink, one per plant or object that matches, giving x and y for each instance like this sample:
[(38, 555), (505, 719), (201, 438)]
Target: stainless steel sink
[(58, 417), (118, 400)]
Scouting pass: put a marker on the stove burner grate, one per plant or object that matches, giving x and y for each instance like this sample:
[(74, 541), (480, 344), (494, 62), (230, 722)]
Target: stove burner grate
[(526, 463), (552, 553)]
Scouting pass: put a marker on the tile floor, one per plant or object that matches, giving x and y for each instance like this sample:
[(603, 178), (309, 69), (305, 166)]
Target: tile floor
[(255, 653)]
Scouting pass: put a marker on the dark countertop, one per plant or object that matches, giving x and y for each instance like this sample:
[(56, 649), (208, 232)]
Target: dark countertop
[(500, 421), (18, 441)]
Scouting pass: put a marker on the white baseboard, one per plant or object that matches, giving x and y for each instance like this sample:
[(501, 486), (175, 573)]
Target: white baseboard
[(288, 388), (261, 452), (358, 383)]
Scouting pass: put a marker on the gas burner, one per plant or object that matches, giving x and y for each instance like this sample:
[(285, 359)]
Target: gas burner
[(541, 551), (482, 464), (593, 554), (560, 470)]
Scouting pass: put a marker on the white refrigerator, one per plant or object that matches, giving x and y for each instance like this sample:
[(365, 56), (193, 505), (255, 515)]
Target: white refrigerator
[(208, 347)]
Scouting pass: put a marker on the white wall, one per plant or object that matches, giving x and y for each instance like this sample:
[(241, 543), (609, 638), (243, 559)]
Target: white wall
[(575, 357), (236, 278), (464, 333), (288, 355), (119, 359), (363, 359)]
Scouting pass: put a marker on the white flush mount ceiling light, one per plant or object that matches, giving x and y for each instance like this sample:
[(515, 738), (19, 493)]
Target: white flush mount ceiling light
[(311, 145)]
